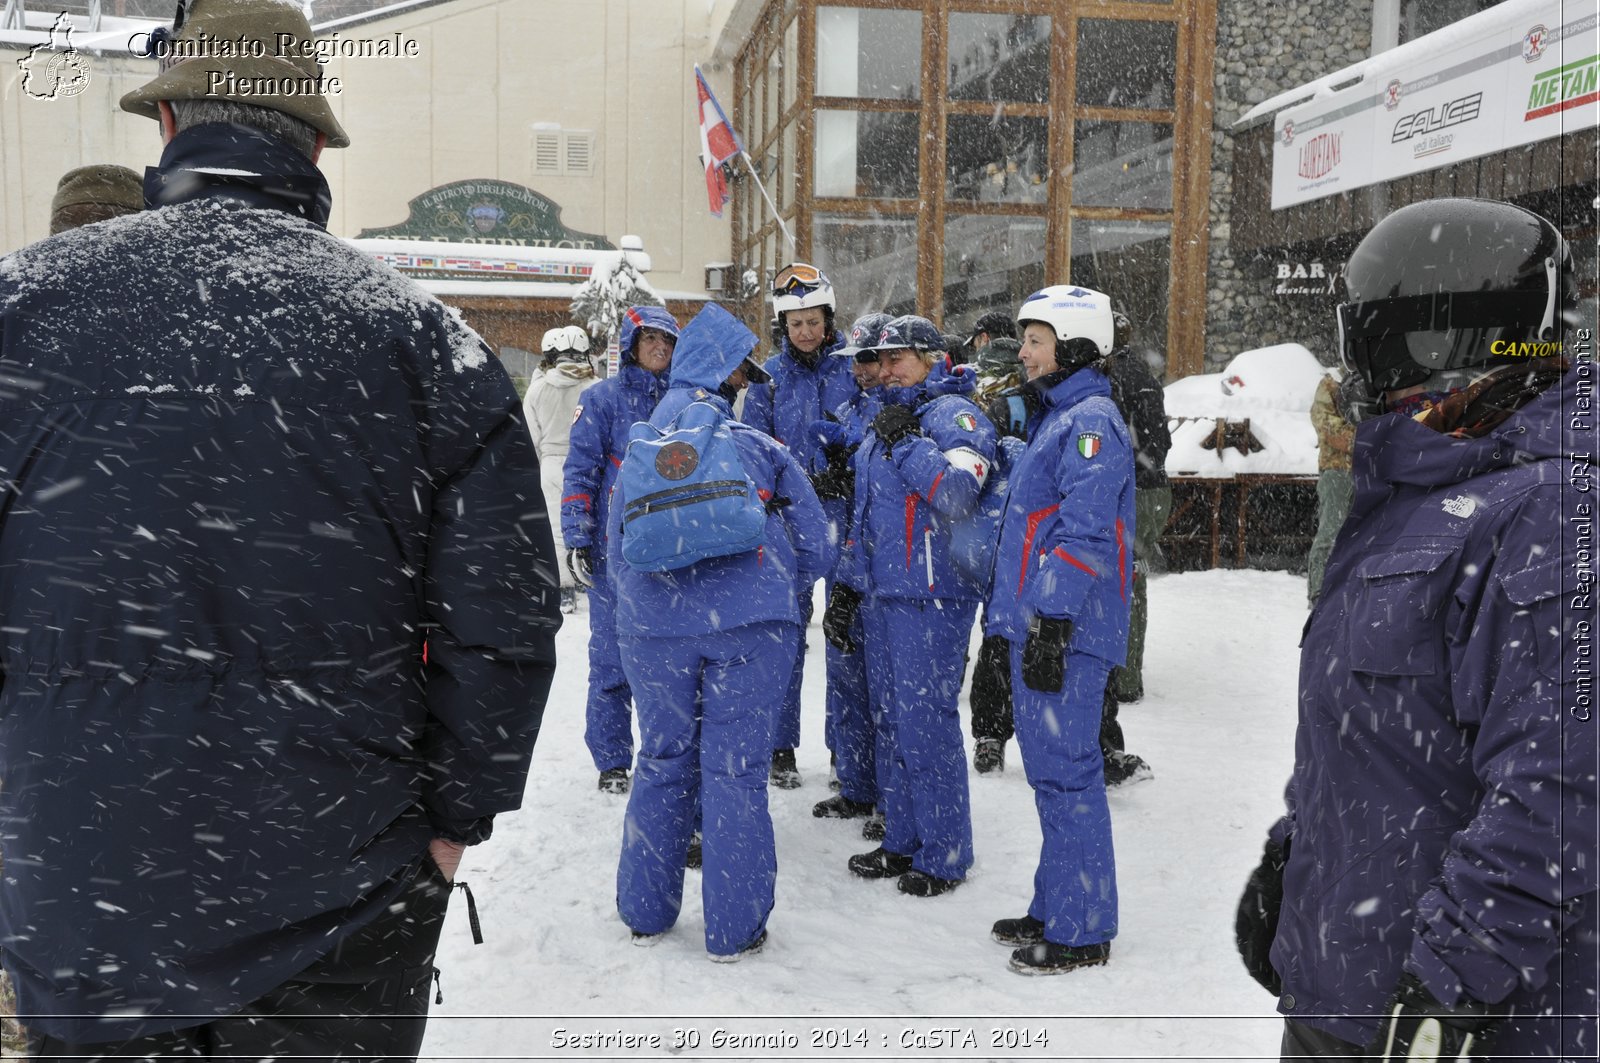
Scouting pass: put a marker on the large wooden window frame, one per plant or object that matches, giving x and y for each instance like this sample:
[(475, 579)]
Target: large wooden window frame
[(757, 240)]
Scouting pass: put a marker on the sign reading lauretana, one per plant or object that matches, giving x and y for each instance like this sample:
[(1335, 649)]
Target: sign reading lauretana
[(1513, 75), (486, 211)]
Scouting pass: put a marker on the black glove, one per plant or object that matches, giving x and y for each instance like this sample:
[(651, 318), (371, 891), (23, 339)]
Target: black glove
[(1044, 665), (1417, 1027), (895, 423), (843, 605), (777, 502), (838, 480), (580, 559), (1256, 922)]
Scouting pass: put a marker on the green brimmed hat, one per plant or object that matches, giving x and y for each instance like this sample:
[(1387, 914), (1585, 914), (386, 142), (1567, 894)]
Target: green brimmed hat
[(259, 52), (100, 185)]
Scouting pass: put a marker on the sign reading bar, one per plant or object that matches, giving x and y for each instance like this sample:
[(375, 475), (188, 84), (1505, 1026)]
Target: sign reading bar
[(486, 211), (1526, 76)]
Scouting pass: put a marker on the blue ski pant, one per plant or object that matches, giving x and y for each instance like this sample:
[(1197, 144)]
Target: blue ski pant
[(1075, 886), (608, 717), (850, 730), (916, 659), (706, 704), (786, 723)]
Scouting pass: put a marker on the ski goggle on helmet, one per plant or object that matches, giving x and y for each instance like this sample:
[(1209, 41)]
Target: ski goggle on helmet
[(1440, 288), (799, 286)]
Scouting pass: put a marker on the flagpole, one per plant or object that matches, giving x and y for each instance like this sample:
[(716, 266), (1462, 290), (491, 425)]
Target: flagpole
[(787, 235)]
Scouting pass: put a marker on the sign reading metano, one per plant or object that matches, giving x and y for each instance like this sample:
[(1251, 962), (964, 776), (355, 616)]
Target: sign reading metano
[(487, 211), (1517, 73)]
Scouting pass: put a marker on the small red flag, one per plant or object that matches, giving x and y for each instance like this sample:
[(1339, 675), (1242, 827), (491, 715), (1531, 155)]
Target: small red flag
[(718, 143)]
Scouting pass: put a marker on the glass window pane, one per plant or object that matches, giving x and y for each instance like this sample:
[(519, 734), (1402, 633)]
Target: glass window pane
[(1122, 164), (1003, 58), (868, 53), (774, 88), (1129, 261), (872, 263), (996, 160), (791, 62), (866, 153), (1126, 63), (789, 182), (990, 263)]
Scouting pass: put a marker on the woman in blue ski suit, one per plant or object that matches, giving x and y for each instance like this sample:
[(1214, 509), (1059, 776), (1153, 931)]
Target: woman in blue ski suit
[(849, 723), (599, 438), (700, 646), (1060, 595), (920, 470), (806, 383)]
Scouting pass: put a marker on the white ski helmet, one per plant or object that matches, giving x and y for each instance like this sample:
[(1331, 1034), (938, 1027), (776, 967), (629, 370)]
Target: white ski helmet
[(577, 339), (799, 286), (555, 341), (1072, 313)]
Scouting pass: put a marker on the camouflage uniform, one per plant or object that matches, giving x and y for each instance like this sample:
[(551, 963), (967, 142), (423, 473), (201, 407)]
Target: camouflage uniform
[(1334, 438)]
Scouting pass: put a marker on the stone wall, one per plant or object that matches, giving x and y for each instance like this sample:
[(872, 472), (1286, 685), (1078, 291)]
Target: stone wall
[(1265, 47)]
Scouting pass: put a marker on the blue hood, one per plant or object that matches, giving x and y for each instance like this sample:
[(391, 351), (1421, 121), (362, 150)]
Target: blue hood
[(637, 317), (710, 348)]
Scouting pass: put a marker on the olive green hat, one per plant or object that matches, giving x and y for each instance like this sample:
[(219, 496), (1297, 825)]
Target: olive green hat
[(100, 185), (259, 52)]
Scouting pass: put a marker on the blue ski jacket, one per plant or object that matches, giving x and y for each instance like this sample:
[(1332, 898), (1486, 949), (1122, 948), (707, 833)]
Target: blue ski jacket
[(786, 407), (726, 592), (907, 501), (1066, 538), (599, 439), (1441, 815)]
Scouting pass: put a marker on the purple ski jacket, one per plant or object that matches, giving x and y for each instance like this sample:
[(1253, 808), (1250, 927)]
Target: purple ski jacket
[(1442, 812)]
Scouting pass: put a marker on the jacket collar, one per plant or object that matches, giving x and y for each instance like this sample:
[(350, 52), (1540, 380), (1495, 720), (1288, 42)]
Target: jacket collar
[(1062, 392), (942, 379), (1399, 450), (236, 164)]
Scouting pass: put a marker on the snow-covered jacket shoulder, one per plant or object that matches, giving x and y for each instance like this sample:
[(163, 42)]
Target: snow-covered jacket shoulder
[(549, 405), (1066, 540), (1439, 770), (250, 473), (786, 407), (599, 438), (906, 501), (727, 592)]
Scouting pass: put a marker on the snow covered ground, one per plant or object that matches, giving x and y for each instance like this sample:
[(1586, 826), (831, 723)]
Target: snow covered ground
[(855, 970)]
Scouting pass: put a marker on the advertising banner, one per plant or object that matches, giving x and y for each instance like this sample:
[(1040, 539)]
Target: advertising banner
[(1511, 76)]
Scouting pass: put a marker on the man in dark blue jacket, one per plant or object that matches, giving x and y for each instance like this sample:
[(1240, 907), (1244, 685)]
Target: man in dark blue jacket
[(273, 651), (1431, 891)]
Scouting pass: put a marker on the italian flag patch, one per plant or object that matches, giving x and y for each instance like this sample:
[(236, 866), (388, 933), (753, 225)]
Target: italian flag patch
[(966, 422), (1089, 444)]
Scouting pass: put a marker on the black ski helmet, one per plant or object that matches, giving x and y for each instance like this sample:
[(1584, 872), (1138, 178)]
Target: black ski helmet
[(1443, 287)]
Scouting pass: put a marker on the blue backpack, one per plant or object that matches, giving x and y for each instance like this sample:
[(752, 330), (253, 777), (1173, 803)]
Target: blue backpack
[(973, 540), (687, 496)]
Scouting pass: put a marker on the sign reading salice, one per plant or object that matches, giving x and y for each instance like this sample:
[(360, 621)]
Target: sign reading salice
[(487, 211), (1516, 74)]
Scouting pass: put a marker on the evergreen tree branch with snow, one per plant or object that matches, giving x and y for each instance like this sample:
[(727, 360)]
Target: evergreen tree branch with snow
[(603, 298)]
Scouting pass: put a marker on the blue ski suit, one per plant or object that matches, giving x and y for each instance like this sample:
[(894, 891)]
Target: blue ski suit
[(785, 409), (917, 613), (599, 438), (849, 715), (1066, 550), (700, 647), (1441, 815)]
